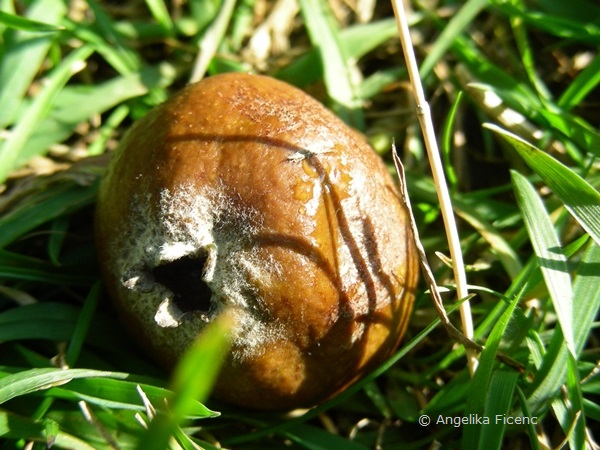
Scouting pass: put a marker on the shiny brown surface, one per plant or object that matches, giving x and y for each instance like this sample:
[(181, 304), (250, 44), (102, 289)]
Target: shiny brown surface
[(294, 224)]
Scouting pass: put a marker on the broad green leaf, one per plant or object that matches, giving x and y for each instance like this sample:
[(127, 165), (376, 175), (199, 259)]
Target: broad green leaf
[(578, 196)]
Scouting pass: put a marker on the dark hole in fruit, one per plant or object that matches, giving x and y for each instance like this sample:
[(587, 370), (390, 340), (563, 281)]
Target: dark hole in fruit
[(184, 278)]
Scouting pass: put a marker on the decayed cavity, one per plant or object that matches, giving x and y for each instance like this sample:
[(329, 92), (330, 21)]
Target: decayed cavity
[(184, 277)]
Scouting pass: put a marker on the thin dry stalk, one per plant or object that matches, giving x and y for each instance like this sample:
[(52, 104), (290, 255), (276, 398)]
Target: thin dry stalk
[(424, 115)]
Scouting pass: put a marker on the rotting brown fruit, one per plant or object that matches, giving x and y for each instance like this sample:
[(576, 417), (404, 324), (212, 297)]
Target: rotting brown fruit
[(244, 192)]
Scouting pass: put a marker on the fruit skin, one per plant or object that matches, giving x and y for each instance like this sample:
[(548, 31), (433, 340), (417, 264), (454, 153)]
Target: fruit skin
[(243, 192)]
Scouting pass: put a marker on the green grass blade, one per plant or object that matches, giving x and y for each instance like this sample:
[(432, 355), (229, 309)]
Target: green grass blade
[(516, 94), (527, 56), (28, 381), (58, 232), (531, 428), (82, 326), (57, 198), (574, 128), (459, 22), (584, 31), (447, 141), (498, 407), (550, 256), (110, 43), (53, 321), (210, 41), (22, 57), (160, 12), (122, 394), (313, 438), (477, 400), (338, 78), (12, 147), (581, 86), (13, 426), (501, 248), (76, 104), (578, 196), (356, 41), (576, 416), (556, 365), (586, 295), (205, 356), (24, 24)]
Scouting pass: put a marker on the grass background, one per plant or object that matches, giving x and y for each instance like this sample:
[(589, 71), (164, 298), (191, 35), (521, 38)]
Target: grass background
[(514, 90)]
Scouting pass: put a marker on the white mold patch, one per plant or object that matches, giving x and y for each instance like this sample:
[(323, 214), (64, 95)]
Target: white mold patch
[(197, 243)]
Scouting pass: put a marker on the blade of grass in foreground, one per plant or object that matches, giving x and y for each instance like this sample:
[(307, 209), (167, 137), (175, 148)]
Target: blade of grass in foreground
[(192, 381), (28, 381), (578, 196), (548, 250)]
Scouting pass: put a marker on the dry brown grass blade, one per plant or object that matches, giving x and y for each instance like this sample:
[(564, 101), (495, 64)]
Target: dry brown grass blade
[(455, 333), (424, 115), (425, 268)]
